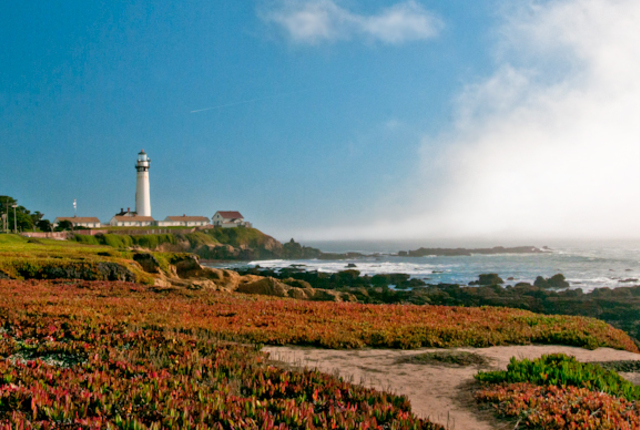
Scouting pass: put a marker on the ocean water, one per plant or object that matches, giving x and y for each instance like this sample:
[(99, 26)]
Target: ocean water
[(585, 265)]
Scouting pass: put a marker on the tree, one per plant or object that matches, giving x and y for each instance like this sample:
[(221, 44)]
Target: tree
[(25, 220), (44, 225), (36, 217), (65, 225)]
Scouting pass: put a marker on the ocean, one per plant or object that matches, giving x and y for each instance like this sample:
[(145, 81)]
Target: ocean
[(585, 265)]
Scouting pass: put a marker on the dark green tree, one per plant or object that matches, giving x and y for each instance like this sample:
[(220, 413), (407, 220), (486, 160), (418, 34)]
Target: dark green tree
[(44, 225), (25, 220), (65, 225)]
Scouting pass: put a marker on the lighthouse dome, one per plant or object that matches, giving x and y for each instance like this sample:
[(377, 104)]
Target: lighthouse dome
[(142, 156)]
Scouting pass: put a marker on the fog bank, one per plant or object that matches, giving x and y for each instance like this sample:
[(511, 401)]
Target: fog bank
[(547, 146)]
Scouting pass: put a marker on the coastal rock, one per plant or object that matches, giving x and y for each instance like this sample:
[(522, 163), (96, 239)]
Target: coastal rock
[(185, 271), (265, 287), (272, 287), (102, 271), (332, 296), (148, 262), (188, 266), (115, 272), (488, 279), (299, 283), (556, 281), (523, 285)]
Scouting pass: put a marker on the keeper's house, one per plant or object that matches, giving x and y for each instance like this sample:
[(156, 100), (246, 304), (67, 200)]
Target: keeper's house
[(88, 221), (183, 221), (229, 219), (131, 219)]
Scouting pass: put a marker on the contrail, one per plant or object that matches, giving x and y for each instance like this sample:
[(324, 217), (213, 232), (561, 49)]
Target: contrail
[(266, 98), (236, 103)]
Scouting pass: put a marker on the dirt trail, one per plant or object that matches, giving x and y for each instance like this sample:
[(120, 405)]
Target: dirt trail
[(442, 394)]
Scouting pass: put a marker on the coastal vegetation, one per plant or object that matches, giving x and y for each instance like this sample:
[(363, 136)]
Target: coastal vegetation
[(125, 355), (259, 319), (238, 243), (66, 366), (619, 307), (558, 392), (562, 371), (24, 258), (101, 332)]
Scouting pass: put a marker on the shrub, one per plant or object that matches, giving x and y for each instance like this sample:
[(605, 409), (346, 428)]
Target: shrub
[(117, 240), (562, 371), (87, 240)]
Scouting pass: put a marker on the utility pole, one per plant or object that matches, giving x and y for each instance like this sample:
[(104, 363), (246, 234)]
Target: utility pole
[(15, 219), (6, 205)]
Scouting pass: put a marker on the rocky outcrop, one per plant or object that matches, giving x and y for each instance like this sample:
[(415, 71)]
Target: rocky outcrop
[(102, 271), (556, 281), (148, 262), (488, 279), (185, 271), (273, 287), (266, 287)]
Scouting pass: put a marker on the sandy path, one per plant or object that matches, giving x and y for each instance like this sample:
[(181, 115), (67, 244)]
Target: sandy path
[(440, 393)]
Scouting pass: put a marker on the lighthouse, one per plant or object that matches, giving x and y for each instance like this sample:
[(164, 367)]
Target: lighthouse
[(143, 199)]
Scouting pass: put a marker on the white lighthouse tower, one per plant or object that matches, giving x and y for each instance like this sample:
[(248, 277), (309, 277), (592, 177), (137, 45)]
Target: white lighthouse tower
[(143, 198)]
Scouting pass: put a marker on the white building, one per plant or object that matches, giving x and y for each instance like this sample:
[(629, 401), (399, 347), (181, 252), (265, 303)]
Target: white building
[(183, 221), (131, 221), (229, 219), (143, 197), (88, 222)]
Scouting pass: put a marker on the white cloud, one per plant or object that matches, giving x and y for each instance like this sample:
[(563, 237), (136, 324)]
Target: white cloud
[(315, 21), (549, 145)]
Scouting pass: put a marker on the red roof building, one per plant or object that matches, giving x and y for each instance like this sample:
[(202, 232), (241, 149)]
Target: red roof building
[(229, 219)]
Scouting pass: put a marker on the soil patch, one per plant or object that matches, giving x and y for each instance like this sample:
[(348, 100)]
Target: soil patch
[(448, 358), (442, 393)]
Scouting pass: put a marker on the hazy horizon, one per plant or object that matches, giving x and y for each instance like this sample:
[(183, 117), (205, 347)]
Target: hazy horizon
[(486, 123)]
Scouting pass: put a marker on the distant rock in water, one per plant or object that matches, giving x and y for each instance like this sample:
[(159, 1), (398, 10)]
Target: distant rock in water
[(456, 252), (556, 281), (488, 279), (350, 265)]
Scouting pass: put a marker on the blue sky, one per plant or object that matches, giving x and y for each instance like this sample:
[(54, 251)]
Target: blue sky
[(314, 118)]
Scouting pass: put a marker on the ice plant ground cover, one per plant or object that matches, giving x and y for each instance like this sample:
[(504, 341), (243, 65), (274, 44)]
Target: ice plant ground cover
[(274, 321), (558, 392), (80, 354), (71, 375), (62, 366)]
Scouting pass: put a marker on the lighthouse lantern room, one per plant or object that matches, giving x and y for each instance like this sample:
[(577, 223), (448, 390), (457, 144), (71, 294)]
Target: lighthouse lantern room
[(143, 198)]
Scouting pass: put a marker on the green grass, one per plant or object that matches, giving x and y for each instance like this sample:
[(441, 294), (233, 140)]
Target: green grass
[(20, 257), (12, 239), (148, 241), (239, 236), (562, 370)]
